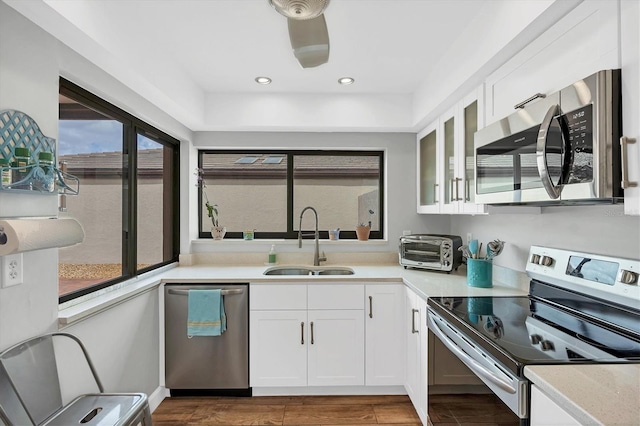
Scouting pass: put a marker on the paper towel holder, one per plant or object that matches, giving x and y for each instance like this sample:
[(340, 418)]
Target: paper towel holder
[(27, 234)]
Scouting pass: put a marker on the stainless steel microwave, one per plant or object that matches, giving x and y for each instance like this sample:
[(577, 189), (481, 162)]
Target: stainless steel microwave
[(562, 148), (435, 252)]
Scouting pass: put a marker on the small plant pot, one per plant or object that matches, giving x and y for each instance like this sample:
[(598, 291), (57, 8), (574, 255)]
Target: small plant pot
[(217, 232), (362, 232)]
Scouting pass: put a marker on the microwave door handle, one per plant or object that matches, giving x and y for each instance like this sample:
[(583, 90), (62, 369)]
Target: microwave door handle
[(541, 151)]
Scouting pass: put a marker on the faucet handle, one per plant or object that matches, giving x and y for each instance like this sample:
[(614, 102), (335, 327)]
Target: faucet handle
[(322, 258)]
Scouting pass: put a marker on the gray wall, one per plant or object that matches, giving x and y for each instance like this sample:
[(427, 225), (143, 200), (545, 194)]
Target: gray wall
[(593, 229), (400, 155)]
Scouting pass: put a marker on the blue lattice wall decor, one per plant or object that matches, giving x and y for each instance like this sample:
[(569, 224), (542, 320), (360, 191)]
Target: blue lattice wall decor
[(18, 130)]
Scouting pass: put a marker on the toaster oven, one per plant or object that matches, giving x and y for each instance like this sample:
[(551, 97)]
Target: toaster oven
[(435, 252)]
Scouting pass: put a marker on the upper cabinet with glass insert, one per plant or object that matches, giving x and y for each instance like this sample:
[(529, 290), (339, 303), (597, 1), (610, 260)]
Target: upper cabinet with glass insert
[(446, 177)]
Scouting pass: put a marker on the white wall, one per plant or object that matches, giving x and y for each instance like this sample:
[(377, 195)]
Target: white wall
[(29, 83), (400, 151), (124, 340), (593, 229)]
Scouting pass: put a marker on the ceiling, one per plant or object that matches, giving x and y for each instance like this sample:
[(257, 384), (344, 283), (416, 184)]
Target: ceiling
[(388, 46), (197, 59)]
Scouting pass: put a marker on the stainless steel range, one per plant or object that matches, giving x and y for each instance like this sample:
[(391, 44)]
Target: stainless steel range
[(581, 308)]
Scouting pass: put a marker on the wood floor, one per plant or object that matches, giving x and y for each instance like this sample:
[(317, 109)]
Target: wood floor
[(394, 410)]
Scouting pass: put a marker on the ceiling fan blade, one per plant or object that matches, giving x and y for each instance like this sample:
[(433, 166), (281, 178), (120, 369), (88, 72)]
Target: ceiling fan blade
[(310, 41)]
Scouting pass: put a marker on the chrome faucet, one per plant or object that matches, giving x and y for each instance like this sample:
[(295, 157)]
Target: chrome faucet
[(316, 255)]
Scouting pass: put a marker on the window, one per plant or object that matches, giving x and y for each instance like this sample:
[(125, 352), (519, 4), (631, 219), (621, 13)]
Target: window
[(128, 197), (266, 191)]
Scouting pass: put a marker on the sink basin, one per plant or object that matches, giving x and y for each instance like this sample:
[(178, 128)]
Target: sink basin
[(289, 270), (304, 270), (335, 271)]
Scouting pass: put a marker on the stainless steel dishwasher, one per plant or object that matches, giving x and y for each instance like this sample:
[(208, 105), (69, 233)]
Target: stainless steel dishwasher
[(216, 365)]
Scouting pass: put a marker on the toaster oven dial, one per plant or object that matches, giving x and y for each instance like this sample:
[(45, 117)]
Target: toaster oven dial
[(535, 259)]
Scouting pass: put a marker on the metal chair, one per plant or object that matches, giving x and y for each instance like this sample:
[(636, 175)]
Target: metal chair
[(39, 376)]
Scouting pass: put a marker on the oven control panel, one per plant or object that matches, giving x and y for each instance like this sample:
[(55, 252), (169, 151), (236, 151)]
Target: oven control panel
[(611, 278)]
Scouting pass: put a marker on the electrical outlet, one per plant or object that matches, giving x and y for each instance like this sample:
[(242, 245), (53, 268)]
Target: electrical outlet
[(469, 237), (11, 270)]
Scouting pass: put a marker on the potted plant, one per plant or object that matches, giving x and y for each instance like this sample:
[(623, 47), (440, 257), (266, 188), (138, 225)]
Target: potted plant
[(363, 229), (217, 231)]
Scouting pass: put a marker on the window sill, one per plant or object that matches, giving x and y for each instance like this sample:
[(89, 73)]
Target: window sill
[(70, 313), (212, 242)]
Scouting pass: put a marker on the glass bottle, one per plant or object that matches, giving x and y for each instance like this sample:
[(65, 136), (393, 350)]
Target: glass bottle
[(45, 162), (6, 172), (22, 157)]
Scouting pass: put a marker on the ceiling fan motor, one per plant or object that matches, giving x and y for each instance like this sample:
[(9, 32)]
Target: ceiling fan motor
[(300, 9)]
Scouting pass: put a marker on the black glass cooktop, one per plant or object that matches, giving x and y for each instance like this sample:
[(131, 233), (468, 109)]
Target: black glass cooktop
[(526, 330)]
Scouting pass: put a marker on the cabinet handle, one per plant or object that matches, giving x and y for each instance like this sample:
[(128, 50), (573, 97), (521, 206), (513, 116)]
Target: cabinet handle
[(413, 320), (624, 141), (435, 193), (452, 194), (526, 101), (302, 333), (457, 180), (312, 332), (370, 306), (467, 187)]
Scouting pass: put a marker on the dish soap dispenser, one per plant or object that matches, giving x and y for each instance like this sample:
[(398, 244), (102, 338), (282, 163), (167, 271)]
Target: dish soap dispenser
[(272, 255)]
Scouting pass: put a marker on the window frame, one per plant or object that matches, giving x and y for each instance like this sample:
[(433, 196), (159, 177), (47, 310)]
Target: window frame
[(290, 233), (132, 126)]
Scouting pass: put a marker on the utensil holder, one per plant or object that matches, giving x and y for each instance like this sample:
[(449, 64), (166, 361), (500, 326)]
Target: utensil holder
[(479, 273)]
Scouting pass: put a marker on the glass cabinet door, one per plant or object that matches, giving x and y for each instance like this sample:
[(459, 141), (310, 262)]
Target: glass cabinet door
[(449, 161), (470, 127), (428, 185)]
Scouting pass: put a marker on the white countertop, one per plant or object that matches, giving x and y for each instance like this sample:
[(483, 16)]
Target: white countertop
[(607, 394), (425, 283)]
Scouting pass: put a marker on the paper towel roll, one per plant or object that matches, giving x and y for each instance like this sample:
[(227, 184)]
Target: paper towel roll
[(18, 235)]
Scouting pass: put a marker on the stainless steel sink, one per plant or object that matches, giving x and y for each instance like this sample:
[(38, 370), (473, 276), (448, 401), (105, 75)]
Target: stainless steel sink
[(335, 271), (303, 270), (289, 270)]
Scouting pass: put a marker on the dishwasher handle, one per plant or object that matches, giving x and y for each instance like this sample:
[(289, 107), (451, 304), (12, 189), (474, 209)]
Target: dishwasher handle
[(225, 292)]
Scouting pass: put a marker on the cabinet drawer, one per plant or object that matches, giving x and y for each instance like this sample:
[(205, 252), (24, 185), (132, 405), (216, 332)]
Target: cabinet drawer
[(336, 296), (268, 297)]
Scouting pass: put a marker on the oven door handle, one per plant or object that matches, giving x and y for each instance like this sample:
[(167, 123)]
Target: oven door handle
[(541, 151), (473, 365)]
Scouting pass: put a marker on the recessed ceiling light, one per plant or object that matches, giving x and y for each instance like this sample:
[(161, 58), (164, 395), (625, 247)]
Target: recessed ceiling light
[(263, 80), (346, 80)]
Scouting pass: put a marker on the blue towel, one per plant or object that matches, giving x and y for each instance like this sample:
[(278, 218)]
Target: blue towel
[(206, 315)]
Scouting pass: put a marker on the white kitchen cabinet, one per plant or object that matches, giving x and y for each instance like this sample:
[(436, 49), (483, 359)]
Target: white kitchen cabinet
[(630, 54), (278, 342), (545, 412), (581, 43), (415, 331), (446, 159), (306, 335), (384, 344), (336, 348)]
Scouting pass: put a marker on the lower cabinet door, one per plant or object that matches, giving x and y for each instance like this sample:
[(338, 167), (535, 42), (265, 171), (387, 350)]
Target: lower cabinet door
[(278, 348), (336, 348), (384, 317)]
